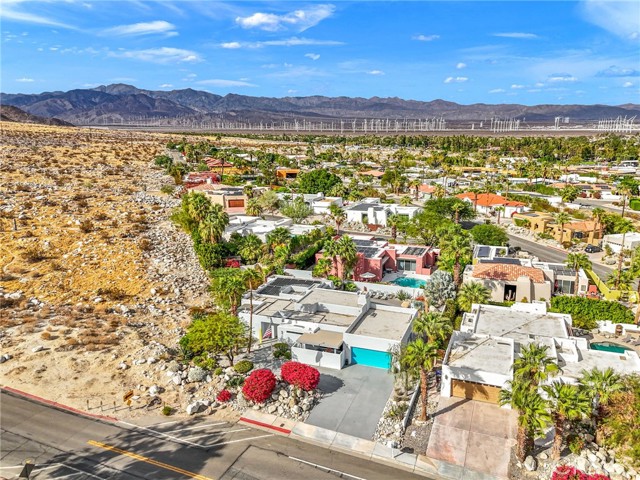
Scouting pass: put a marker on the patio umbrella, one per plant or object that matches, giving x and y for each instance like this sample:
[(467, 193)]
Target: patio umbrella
[(368, 275)]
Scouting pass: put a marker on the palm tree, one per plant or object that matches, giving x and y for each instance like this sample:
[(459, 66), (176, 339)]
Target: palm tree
[(458, 206), (278, 237), (576, 261), (472, 292), (599, 385), (227, 288), (620, 282), (421, 356), (567, 403), (499, 211), (624, 226), (338, 216), (561, 219), (415, 184), (347, 252), (534, 365), (533, 416), (213, 225), (198, 206), (254, 208), (438, 191), (405, 201), (455, 246), (598, 214), (432, 325), (250, 248), (253, 278), (393, 221), (248, 191)]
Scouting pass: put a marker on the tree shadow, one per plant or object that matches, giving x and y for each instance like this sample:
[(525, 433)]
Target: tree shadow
[(329, 383)]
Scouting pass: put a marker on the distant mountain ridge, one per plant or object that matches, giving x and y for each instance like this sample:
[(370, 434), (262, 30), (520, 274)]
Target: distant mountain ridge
[(9, 113), (120, 102)]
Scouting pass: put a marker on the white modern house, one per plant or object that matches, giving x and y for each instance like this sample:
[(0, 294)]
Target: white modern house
[(631, 241), (247, 225), (325, 327), (372, 212), (317, 201), (478, 361)]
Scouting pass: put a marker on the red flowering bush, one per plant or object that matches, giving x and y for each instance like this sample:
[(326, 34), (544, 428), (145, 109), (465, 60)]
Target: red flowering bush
[(232, 263), (567, 472), (259, 385), (224, 396), (300, 375)]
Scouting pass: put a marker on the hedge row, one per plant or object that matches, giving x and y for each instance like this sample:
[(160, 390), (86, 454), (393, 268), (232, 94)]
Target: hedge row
[(586, 312)]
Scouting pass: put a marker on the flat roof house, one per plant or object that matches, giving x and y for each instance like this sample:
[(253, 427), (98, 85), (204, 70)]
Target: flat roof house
[(247, 225), (328, 328), (371, 212), (478, 361)]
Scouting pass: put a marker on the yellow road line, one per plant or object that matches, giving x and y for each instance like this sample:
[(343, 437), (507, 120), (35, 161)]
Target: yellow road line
[(148, 460)]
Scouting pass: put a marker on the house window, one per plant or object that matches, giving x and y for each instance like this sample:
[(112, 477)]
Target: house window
[(407, 265), (564, 286), (236, 203)]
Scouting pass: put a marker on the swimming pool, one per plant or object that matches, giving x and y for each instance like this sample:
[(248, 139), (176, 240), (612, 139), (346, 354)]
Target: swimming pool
[(409, 282), (609, 347)]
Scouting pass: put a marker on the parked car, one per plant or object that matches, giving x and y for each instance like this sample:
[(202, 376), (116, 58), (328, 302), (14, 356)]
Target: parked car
[(592, 249)]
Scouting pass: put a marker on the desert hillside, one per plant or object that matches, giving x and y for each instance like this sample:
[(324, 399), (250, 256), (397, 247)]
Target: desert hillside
[(92, 274)]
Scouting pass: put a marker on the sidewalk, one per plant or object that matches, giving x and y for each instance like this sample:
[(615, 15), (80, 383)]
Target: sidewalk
[(418, 464)]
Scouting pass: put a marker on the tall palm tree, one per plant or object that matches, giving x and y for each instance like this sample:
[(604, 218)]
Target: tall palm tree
[(533, 416), (598, 214), (620, 282), (455, 246), (576, 261), (199, 206), (438, 191), (338, 216), (347, 252), (250, 248), (458, 206), (420, 356), (567, 403), (213, 225), (278, 237), (562, 219), (499, 211), (227, 288), (432, 325), (599, 385), (254, 208), (534, 365), (405, 201), (472, 292), (624, 226), (393, 221), (415, 184), (253, 278)]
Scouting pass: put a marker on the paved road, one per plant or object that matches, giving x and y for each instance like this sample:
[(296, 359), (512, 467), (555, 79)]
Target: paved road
[(547, 254), (74, 447)]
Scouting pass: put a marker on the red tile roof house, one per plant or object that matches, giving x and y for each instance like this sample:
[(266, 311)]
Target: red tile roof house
[(487, 203), (510, 282), (193, 179), (376, 257)]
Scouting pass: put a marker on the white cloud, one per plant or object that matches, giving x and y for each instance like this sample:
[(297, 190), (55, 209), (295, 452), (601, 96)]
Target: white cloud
[(627, 84), (290, 91), (615, 71), (455, 79), (516, 86), (297, 72), (461, 65), (619, 18), (165, 85), (218, 82), (561, 78), (159, 55), (425, 38), (521, 35), (375, 72), (538, 84), (24, 80), (143, 28), (285, 42), (298, 20), (312, 56), (8, 11), (497, 90)]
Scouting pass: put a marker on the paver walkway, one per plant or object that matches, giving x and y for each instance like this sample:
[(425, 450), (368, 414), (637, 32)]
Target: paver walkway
[(473, 438)]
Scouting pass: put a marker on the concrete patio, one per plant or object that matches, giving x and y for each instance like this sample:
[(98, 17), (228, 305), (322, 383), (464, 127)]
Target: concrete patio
[(472, 439)]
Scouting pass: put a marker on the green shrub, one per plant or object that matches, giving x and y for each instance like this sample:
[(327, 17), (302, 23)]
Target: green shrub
[(185, 348), (576, 444), (586, 312), (205, 362), (218, 371), (236, 381), (243, 366), (350, 287), (634, 204), (168, 189), (281, 350), (167, 410), (402, 296)]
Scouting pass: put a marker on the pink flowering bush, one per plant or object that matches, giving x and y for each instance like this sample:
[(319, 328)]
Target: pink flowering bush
[(568, 472), (259, 385), (301, 375)]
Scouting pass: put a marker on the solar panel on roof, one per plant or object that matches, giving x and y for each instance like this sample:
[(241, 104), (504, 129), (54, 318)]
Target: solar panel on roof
[(368, 251), (483, 251)]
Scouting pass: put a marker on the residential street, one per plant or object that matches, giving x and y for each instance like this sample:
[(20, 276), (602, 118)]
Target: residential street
[(71, 446)]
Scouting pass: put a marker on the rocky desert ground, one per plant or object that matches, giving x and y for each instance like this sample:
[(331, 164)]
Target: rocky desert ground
[(95, 283)]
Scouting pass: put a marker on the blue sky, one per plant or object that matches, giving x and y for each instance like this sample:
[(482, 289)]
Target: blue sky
[(491, 52)]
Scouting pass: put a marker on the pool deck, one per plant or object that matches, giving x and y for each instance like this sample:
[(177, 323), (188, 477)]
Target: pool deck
[(598, 338)]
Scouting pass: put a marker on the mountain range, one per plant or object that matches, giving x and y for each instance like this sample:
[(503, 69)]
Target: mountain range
[(117, 103)]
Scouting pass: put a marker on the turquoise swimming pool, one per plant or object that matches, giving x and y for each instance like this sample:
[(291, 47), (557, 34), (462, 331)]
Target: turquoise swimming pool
[(609, 347), (409, 282)]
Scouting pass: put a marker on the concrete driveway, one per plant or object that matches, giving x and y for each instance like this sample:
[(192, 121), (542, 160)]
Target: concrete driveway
[(472, 439), (354, 400)]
